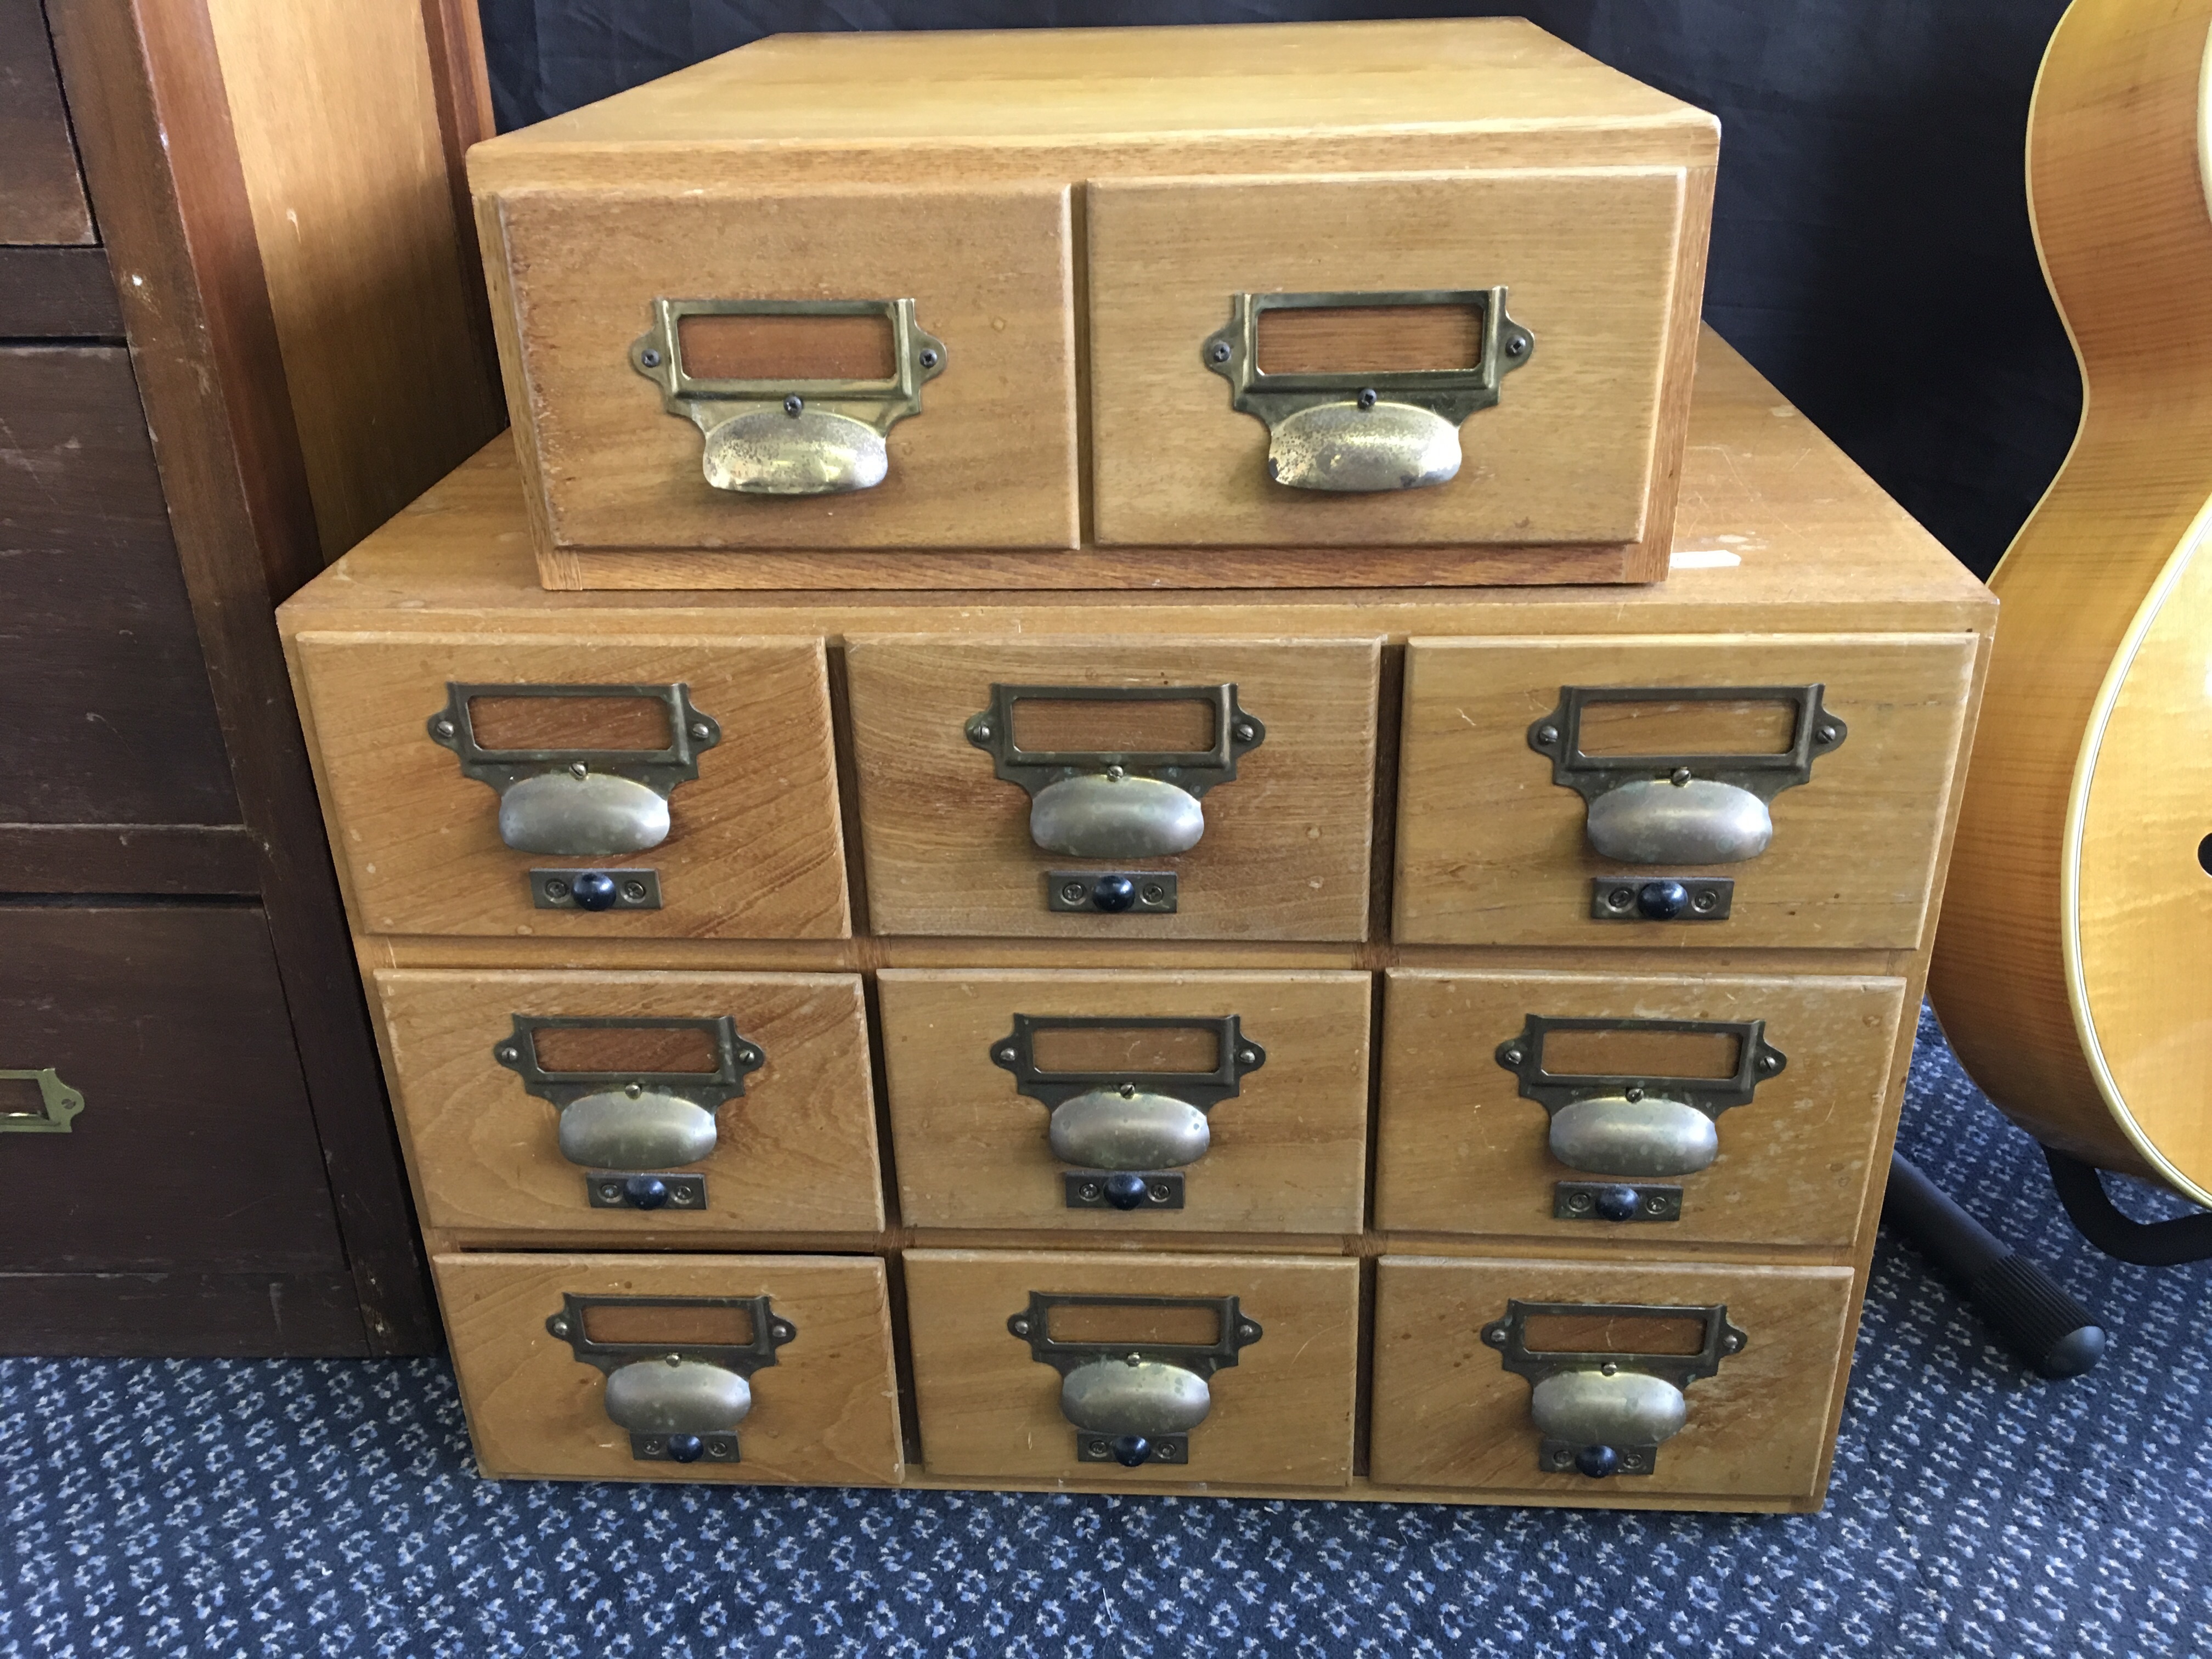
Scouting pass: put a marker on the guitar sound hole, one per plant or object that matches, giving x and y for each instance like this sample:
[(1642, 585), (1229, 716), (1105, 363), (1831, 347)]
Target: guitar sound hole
[(2204, 854)]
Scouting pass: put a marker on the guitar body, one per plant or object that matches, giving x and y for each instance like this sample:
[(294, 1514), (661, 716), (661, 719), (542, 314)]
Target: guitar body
[(2073, 966)]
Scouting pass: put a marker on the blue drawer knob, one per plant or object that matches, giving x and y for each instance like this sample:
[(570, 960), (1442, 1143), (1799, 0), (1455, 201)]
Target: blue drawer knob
[(1131, 1449), (1661, 901), (685, 1448), (594, 890), (1597, 1461), (646, 1192)]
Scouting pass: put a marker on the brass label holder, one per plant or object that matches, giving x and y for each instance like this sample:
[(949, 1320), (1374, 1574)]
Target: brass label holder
[(59, 1105)]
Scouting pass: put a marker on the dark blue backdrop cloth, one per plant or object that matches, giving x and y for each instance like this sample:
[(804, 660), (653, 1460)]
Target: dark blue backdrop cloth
[(280, 1507)]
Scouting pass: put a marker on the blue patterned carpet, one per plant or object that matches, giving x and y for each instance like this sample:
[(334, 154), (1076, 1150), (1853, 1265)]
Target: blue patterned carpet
[(278, 1508)]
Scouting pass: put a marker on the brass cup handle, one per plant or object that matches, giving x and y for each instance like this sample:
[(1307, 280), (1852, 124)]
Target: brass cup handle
[(1368, 445), (1695, 821), (1116, 815), (1135, 1396), (1129, 1128), (1615, 1135), (676, 1396), (794, 450), (1607, 1408), (643, 1129)]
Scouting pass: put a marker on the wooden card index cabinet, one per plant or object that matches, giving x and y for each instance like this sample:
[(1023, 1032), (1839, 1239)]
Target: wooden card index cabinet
[(1275, 307), (1272, 1019)]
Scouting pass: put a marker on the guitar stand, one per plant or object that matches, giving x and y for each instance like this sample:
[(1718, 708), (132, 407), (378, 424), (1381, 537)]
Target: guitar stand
[(2146, 1243), (2022, 1306)]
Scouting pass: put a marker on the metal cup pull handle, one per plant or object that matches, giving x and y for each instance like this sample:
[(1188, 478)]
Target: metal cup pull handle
[(1641, 1124), (1117, 804), (1607, 1411), (1686, 809), (1611, 1135), (640, 1119), (1135, 1396), (1128, 1119), (579, 803), (682, 1399), (1136, 1401), (676, 1396), (1366, 433), (793, 436)]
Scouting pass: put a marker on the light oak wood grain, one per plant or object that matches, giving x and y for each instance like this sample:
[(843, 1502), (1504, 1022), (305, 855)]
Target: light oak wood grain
[(336, 117), (948, 846), (1447, 1414), (1281, 1414), (1566, 454), (1489, 77), (2073, 932), (1491, 852), (1460, 1150), (990, 460), (1778, 532), (1288, 1152), (754, 850), (796, 1152), (824, 1414)]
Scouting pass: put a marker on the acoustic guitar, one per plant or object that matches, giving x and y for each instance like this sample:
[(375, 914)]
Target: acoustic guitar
[(2073, 967)]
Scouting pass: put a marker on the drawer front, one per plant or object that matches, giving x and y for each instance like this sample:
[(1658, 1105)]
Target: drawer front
[(749, 848), (41, 198), (171, 1134), (1245, 1110), (1756, 1423), (1771, 791), (109, 718), (1260, 767), (1275, 1410), (1546, 413), (822, 1411), (1506, 1110), (981, 452), (754, 1114)]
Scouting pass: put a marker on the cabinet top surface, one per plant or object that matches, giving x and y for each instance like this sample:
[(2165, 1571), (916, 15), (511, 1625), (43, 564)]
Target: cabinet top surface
[(1778, 530), (1046, 86)]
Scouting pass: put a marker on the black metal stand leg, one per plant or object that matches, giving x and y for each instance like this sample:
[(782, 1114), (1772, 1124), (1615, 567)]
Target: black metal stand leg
[(2017, 1300), (2146, 1243)]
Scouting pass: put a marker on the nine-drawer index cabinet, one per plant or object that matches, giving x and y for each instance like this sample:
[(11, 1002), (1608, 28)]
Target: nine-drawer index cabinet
[(1429, 1042)]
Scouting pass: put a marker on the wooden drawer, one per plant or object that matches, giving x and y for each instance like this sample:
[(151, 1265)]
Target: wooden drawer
[(1277, 1412), (1853, 741), (1544, 428), (1465, 1145), (192, 1149), (1266, 1074), (41, 198), (985, 459), (752, 848), (109, 718), (822, 1412), (1758, 1425), (768, 1071), (1276, 738)]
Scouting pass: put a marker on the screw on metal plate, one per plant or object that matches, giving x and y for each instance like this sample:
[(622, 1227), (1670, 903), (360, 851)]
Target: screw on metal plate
[(595, 890), (1612, 1200), (1112, 892), (1661, 898)]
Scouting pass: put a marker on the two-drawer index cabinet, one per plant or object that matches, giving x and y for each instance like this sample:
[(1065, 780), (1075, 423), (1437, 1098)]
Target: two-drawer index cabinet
[(1477, 1088)]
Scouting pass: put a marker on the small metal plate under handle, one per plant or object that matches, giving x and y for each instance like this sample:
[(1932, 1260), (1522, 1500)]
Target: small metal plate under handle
[(1365, 433), (1117, 804), (1134, 1398), (1642, 1125), (1661, 898), (633, 1121), (580, 803), (1124, 1189), (1683, 809), (618, 1189), (1610, 1200), (59, 1105), (595, 890), (1601, 1413), (681, 1401), (793, 437), (1129, 1121), (1112, 892)]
